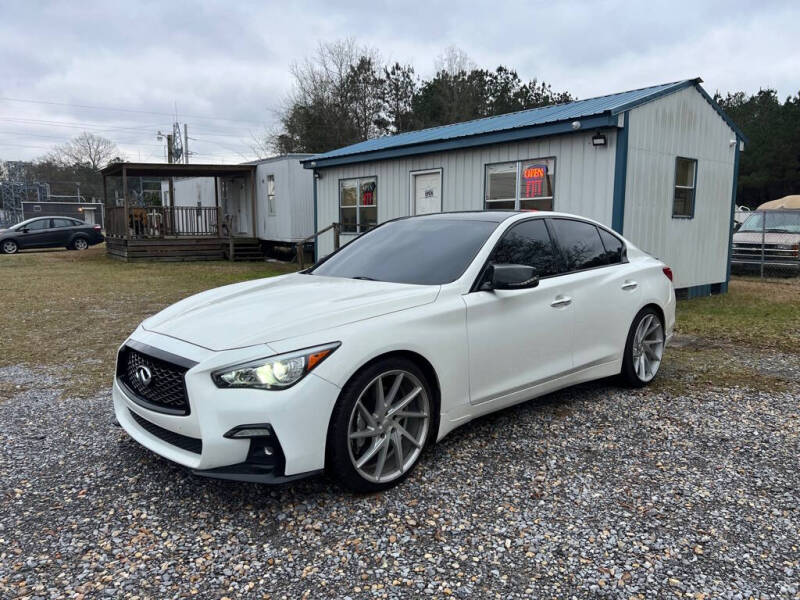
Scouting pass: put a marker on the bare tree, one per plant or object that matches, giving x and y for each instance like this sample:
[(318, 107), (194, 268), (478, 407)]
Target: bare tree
[(454, 61), (86, 149)]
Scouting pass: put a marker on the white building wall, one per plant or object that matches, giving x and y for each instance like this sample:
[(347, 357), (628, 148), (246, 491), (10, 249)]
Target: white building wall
[(680, 124), (294, 199), (584, 181)]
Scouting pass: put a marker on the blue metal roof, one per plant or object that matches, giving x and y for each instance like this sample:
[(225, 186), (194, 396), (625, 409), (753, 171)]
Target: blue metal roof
[(534, 122)]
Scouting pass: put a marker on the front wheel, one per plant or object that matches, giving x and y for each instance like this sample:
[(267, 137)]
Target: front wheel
[(644, 348), (380, 426), (10, 247)]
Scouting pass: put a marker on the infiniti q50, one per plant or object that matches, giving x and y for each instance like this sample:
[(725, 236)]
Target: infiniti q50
[(359, 363)]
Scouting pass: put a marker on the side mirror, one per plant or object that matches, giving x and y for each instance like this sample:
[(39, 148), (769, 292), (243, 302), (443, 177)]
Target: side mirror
[(509, 277), (24, 230)]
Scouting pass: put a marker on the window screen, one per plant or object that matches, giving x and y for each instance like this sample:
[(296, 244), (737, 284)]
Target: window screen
[(527, 243), (580, 244)]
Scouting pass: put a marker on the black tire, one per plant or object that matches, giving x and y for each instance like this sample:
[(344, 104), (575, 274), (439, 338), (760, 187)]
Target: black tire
[(339, 462), (629, 373), (79, 243), (9, 247)]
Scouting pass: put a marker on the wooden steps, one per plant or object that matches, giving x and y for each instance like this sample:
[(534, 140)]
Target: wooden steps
[(244, 249)]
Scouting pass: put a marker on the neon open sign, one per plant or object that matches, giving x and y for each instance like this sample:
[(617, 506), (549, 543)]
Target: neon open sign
[(534, 176)]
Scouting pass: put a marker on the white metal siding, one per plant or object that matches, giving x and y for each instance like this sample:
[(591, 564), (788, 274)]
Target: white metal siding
[(584, 182), (680, 124), (294, 200)]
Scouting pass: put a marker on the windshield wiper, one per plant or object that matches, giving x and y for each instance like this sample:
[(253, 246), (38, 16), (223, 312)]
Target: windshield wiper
[(364, 277), (776, 230)]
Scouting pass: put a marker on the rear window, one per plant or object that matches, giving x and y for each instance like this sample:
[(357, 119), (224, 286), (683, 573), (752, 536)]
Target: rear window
[(581, 244), (427, 251)]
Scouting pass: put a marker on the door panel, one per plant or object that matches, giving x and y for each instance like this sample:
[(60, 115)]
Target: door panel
[(604, 304), (427, 193), (37, 234), (517, 339), (604, 290)]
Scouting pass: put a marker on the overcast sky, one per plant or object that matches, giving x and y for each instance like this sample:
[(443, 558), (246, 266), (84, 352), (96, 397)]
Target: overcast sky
[(225, 65)]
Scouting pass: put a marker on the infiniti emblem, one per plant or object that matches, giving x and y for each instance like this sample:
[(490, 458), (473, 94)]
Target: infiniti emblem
[(143, 375)]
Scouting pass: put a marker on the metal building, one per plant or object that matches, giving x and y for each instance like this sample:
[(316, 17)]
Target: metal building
[(284, 208), (658, 164)]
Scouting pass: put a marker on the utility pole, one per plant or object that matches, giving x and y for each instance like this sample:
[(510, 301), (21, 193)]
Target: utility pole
[(185, 143), (170, 160)]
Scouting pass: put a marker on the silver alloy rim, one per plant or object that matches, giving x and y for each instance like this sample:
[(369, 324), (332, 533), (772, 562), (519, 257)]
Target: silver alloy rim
[(9, 247), (388, 426), (81, 244), (648, 347)]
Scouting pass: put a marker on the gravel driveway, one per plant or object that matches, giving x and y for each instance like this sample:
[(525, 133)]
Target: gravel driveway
[(596, 491)]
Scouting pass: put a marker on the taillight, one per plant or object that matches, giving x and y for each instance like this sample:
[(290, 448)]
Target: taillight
[(667, 272), (97, 228)]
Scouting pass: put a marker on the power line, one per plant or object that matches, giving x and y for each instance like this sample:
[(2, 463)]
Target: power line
[(127, 110), (61, 137), (97, 127)]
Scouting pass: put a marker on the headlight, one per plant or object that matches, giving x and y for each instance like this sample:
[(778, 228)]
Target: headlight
[(274, 372)]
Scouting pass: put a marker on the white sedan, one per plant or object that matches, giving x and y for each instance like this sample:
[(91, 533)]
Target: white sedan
[(357, 364)]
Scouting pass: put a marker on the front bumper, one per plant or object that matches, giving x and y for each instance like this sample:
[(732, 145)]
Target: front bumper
[(298, 416)]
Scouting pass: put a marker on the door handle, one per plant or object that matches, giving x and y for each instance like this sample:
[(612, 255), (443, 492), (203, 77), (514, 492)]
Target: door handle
[(561, 301), (630, 285)]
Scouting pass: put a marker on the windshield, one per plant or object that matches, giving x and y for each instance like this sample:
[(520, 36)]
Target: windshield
[(420, 251), (776, 222)]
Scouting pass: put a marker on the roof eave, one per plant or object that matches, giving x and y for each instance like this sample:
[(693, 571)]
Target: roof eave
[(602, 120)]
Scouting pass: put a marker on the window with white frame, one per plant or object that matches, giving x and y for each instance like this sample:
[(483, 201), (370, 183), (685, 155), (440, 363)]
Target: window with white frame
[(271, 195), (685, 186), (358, 204), (521, 185)]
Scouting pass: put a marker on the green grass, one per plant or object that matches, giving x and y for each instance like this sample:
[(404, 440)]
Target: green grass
[(71, 310), (754, 313)]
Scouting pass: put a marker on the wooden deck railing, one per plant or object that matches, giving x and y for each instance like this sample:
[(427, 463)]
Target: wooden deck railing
[(153, 222)]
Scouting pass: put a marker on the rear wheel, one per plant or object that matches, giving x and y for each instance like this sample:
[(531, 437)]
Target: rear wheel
[(644, 348), (380, 426), (80, 243), (10, 247)]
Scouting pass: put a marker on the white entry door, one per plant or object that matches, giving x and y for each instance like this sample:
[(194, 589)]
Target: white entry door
[(427, 192)]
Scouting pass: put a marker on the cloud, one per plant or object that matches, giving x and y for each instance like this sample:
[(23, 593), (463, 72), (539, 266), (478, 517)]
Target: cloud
[(228, 62)]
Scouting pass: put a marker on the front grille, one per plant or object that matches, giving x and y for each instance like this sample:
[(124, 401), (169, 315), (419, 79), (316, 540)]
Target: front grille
[(166, 391), (176, 439)]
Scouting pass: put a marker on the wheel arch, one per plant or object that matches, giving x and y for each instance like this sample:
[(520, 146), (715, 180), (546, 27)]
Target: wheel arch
[(430, 375)]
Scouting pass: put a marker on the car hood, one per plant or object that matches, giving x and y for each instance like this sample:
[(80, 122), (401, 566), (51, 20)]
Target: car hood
[(267, 310)]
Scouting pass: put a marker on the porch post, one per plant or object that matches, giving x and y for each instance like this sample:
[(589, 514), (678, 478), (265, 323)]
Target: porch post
[(216, 203), (125, 202)]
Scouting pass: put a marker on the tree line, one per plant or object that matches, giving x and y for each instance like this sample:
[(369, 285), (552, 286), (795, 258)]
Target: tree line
[(769, 168), (343, 94)]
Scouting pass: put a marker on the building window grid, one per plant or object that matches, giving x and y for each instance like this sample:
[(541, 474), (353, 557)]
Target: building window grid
[(518, 199), (683, 203), (366, 214), (271, 195)]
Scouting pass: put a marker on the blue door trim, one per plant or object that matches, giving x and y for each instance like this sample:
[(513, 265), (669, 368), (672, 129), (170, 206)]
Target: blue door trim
[(316, 237), (734, 185), (620, 174)]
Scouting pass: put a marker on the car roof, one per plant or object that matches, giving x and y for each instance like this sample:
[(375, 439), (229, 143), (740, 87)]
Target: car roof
[(494, 216)]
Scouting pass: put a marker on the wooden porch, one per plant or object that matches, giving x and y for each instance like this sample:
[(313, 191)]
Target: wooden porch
[(169, 232)]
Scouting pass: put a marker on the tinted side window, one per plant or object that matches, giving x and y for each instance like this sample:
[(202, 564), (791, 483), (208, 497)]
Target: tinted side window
[(63, 223), (580, 243), (613, 246), (527, 243)]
